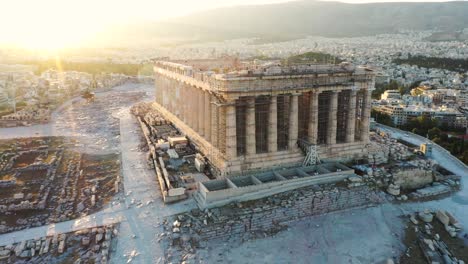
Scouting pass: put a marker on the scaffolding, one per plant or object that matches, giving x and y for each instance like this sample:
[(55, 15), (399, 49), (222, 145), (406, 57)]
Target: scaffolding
[(324, 101), (304, 115), (283, 105), (262, 112), (360, 108), (241, 125), (342, 116), (310, 151)]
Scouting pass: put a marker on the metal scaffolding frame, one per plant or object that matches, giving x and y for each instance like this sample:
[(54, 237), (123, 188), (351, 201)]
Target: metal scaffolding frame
[(342, 116), (304, 115), (262, 112), (323, 118), (360, 108), (283, 101)]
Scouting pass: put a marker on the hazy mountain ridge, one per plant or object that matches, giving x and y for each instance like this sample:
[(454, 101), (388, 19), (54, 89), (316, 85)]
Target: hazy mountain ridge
[(333, 19), (302, 18)]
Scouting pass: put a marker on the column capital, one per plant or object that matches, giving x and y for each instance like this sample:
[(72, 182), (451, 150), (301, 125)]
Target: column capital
[(315, 91)]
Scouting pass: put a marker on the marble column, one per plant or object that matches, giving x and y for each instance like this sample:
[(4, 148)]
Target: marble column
[(366, 116), (293, 121), (194, 109), (200, 111), (313, 118), (164, 94), (207, 116), (273, 125), (189, 106), (250, 126), (214, 123), (157, 88), (350, 127), (185, 105), (231, 140), (331, 134)]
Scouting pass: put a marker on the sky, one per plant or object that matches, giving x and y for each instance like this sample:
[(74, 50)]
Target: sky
[(53, 23)]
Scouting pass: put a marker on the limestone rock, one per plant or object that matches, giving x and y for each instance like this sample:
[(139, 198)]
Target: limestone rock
[(393, 189), (451, 230), (85, 241), (98, 237), (4, 253), (414, 220), (426, 216), (61, 247), (442, 217)]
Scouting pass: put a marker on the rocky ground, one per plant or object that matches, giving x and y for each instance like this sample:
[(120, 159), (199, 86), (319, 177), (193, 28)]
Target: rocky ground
[(434, 237), (44, 180), (83, 246)]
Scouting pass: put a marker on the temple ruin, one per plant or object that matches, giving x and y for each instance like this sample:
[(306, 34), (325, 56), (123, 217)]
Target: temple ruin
[(253, 117)]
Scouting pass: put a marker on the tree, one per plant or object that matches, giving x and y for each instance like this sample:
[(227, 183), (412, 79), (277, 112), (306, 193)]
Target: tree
[(434, 132), (415, 84), (381, 118), (393, 85), (437, 141), (403, 90), (464, 157), (444, 137), (415, 131)]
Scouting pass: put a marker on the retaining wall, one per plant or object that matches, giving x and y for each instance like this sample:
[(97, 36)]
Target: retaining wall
[(268, 213)]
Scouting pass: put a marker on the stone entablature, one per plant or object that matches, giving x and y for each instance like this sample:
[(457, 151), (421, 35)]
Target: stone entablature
[(269, 84)]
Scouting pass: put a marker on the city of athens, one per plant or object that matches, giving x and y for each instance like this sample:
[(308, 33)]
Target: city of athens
[(234, 131)]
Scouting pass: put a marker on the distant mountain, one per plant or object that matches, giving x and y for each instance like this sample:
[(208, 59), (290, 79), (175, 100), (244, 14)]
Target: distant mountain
[(297, 19)]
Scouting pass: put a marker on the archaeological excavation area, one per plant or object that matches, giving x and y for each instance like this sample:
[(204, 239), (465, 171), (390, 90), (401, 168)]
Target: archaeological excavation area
[(45, 180)]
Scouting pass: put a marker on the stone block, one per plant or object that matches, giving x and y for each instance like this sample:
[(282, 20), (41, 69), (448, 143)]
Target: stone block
[(442, 217), (61, 247), (426, 216)]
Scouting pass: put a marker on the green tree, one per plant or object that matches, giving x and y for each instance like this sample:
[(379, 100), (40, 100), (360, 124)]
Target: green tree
[(381, 118), (434, 132)]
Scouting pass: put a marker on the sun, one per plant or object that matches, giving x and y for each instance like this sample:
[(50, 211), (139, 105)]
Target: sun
[(56, 38), (53, 34), (49, 25)]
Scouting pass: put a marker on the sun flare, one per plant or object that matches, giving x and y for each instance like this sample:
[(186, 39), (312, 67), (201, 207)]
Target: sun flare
[(49, 27)]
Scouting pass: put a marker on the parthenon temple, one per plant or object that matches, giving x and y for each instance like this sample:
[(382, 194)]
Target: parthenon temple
[(257, 117)]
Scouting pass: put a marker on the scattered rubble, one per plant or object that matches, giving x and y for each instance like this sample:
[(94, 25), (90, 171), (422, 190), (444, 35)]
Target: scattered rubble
[(76, 247), (170, 153), (434, 240), (395, 168), (45, 181)]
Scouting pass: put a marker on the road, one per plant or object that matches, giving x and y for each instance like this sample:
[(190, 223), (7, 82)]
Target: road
[(445, 159)]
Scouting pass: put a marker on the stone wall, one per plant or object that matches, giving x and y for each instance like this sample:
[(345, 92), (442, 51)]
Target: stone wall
[(413, 178), (269, 213)]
